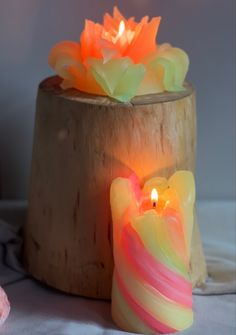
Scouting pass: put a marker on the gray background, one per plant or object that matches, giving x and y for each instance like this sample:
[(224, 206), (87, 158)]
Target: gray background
[(204, 28)]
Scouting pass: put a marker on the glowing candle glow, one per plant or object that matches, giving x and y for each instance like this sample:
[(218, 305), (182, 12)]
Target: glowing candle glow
[(152, 291), (120, 59)]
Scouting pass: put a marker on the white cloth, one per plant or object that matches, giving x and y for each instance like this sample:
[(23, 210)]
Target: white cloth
[(12, 216), (218, 230), (38, 310)]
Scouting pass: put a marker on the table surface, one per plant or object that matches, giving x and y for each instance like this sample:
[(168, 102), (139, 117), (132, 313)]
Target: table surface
[(37, 309)]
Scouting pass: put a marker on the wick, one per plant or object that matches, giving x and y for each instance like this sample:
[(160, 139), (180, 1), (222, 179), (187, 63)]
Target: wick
[(154, 204)]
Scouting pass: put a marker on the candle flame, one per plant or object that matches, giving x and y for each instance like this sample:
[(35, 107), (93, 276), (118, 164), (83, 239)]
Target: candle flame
[(121, 29), (154, 196)]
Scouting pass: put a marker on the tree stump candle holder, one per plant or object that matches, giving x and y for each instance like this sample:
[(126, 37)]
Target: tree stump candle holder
[(81, 143)]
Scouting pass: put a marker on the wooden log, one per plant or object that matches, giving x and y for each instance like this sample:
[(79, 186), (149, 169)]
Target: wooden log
[(81, 143)]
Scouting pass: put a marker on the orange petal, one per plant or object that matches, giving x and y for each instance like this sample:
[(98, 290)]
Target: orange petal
[(71, 71), (63, 64), (140, 25), (131, 24), (82, 80), (62, 57), (91, 85), (117, 14), (109, 23), (69, 48), (145, 42), (90, 40)]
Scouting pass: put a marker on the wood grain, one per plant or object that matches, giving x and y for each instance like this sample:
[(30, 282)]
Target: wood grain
[(81, 143)]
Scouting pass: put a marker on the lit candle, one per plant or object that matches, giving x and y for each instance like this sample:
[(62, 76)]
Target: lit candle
[(4, 306), (119, 58), (152, 291)]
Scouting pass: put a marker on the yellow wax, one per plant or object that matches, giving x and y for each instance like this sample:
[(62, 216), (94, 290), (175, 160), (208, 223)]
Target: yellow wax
[(183, 183), (165, 235)]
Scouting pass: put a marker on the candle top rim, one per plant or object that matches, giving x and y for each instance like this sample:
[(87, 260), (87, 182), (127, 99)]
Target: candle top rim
[(52, 85)]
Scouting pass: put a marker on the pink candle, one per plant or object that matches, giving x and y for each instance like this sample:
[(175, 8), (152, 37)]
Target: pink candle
[(4, 306)]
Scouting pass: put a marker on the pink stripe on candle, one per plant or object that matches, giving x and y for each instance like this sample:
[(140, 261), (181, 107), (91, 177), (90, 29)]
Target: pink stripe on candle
[(162, 279), (145, 316), (134, 181)]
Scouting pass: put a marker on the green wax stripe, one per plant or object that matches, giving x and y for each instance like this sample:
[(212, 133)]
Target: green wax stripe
[(166, 246), (150, 229), (123, 315)]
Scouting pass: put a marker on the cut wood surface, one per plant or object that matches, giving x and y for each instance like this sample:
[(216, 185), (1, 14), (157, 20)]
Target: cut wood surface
[(81, 143)]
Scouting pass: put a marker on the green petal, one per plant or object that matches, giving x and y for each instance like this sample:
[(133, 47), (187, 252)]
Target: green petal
[(119, 78), (173, 63), (180, 63), (169, 71), (128, 85)]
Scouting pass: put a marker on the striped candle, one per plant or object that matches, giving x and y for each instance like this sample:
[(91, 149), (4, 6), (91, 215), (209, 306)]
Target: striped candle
[(152, 291)]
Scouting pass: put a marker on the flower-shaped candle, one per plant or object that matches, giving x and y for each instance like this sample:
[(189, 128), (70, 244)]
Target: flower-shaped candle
[(152, 291), (120, 59)]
